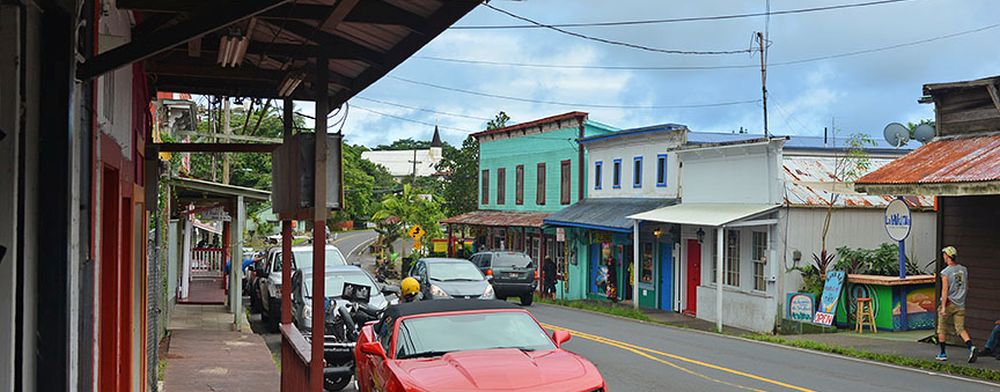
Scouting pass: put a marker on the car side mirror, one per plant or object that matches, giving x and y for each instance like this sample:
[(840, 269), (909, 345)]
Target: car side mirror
[(559, 337), (387, 289), (373, 348)]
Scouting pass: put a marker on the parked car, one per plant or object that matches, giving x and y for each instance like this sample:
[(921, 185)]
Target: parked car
[(338, 337), (512, 274), (269, 281), (450, 278), (460, 345)]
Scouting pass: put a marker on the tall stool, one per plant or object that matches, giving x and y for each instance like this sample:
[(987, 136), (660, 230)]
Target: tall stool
[(864, 314)]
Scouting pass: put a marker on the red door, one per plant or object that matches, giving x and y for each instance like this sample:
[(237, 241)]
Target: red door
[(693, 276)]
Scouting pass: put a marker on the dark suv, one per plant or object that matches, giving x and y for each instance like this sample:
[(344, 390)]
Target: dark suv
[(512, 274)]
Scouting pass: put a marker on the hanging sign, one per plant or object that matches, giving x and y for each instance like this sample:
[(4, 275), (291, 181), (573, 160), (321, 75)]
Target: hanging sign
[(831, 294), (898, 220), (217, 213), (560, 234)]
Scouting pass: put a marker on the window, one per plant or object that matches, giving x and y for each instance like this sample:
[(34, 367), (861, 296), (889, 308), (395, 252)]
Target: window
[(540, 185), (616, 175), (519, 185), (731, 271), (501, 186), (485, 183), (759, 256), (597, 174), (637, 172), (565, 180), (646, 273), (661, 170)]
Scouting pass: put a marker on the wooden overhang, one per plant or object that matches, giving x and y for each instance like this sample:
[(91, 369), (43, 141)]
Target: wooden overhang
[(179, 41)]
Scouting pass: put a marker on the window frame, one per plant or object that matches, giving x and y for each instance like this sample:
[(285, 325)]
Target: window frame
[(519, 185), (637, 174), (501, 186), (661, 170), (598, 175), (540, 183), (616, 175), (758, 254), (484, 187), (731, 258), (565, 182)]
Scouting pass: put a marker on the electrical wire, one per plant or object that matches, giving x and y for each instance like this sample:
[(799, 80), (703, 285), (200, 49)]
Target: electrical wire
[(709, 67), (677, 20), (614, 42), (421, 109), (412, 120), (572, 104)]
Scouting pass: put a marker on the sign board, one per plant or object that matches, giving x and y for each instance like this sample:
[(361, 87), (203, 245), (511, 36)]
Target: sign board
[(898, 220), (560, 234), (831, 294), (801, 306), (217, 214), (416, 232)]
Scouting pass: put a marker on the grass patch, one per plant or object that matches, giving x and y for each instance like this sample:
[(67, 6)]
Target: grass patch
[(161, 368), (277, 361), (943, 367), (600, 307)]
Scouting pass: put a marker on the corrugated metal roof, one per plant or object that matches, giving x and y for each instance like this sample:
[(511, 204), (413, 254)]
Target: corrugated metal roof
[(811, 182), (944, 161), (611, 213), (498, 218), (794, 142), (634, 131), (535, 123)]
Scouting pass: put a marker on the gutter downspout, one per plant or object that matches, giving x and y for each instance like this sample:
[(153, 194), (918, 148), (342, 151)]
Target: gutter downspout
[(635, 264), (718, 277)]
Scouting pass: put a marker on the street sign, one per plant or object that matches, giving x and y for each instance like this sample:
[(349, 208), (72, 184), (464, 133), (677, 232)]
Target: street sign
[(898, 220), (416, 232), (560, 234)]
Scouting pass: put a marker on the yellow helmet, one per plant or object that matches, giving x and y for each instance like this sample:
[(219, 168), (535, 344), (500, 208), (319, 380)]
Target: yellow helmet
[(409, 286)]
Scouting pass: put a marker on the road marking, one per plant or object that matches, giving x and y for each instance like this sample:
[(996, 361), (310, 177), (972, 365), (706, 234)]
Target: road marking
[(635, 348), (360, 245)]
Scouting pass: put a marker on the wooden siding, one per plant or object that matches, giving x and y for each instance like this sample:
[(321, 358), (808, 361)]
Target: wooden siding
[(969, 223)]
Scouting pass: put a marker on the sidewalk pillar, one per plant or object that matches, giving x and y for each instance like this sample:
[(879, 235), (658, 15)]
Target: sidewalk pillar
[(319, 224), (236, 264), (635, 264), (719, 248)]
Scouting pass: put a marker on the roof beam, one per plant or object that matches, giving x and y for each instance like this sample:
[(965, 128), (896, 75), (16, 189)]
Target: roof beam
[(206, 20), (215, 147), (380, 12), (196, 68), (333, 43)]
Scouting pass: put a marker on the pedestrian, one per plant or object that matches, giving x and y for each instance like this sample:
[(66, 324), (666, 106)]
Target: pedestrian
[(612, 285), (954, 286), (549, 277), (991, 344)]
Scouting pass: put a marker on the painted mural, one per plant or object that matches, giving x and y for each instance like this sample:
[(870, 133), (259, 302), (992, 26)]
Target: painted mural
[(920, 306)]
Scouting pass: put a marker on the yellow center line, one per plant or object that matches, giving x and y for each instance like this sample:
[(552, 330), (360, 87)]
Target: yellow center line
[(634, 348)]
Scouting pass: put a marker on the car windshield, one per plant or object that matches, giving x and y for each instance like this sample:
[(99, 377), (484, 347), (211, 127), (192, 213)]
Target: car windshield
[(513, 260), (334, 282), (453, 272), (438, 335), (303, 258)]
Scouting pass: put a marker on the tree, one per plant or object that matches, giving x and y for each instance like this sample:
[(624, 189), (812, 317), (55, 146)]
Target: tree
[(364, 182), (405, 144), (850, 166), (412, 209), (461, 168)]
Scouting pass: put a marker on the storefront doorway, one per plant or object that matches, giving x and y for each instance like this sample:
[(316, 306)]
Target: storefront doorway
[(693, 276), (666, 276)]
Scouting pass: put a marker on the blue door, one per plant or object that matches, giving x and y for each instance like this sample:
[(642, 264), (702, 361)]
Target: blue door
[(597, 274), (666, 276)]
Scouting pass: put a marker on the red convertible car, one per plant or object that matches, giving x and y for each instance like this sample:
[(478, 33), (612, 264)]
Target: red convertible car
[(467, 345)]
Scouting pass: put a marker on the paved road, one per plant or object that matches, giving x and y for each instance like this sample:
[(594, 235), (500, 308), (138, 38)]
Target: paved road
[(635, 356)]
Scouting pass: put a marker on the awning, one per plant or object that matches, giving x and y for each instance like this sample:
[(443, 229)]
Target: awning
[(954, 166), (705, 214), (498, 219), (605, 214)]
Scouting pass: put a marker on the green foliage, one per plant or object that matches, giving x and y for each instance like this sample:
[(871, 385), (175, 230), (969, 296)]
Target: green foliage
[(883, 260), (405, 144), (461, 185), (812, 280), (599, 307), (499, 121), (364, 182), (912, 126), (412, 209)]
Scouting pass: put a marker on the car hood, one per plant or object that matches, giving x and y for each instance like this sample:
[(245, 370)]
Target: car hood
[(460, 288), (501, 370)]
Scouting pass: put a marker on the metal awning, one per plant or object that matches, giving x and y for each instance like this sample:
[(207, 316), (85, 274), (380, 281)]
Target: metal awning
[(949, 166), (498, 219), (609, 214), (705, 214)]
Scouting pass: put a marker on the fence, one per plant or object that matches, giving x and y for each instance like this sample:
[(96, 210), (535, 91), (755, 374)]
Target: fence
[(207, 261)]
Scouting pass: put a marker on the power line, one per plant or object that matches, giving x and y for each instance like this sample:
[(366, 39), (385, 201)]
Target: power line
[(585, 105), (709, 67), (614, 42), (399, 105), (412, 120), (676, 20)]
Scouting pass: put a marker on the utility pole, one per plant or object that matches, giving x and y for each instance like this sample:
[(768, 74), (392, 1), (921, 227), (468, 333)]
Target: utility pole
[(226, 131), (414, 162), (763, 77)]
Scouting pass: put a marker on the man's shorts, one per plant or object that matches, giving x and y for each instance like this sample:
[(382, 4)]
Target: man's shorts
[(953, 320)]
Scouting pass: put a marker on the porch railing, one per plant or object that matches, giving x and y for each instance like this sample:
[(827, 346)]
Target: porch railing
[(207, 261)]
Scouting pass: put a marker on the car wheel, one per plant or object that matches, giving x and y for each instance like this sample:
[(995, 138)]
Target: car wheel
[(336, 384), (527, 299)]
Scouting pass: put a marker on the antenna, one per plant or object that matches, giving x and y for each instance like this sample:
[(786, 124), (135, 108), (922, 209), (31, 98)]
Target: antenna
[(896, 134), (924, 133)]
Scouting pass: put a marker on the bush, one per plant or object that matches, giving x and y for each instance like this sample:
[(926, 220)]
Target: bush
[(883, 261)]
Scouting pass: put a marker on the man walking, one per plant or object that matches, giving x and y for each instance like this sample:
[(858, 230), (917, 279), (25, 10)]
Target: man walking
[(954, 285)]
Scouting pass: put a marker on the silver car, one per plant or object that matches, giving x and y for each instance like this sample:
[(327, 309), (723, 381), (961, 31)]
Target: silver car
[(451, 278)]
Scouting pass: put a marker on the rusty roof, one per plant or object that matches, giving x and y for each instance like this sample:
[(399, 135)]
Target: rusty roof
[(811, 182), (952, 160), (499, 218), (535, 123)]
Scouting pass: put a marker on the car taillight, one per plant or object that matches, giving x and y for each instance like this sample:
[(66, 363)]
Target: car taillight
[(489, 272)]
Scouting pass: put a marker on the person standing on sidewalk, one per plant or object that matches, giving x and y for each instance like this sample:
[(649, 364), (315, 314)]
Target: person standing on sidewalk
[(954, 285)]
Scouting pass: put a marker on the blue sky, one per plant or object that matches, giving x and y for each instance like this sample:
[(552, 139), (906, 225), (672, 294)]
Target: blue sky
[(859, 93)]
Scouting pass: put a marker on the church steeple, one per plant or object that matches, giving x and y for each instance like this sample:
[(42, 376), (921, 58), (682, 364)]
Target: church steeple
[(436, 141)]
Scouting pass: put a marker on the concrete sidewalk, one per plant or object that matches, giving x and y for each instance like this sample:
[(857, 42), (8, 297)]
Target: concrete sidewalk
[(206, 355)]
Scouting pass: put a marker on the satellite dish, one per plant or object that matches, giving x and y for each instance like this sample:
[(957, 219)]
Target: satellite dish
[(896, 134), (924, 133)]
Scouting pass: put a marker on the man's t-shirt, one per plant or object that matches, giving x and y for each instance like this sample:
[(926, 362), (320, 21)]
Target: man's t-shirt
[(958, 277)]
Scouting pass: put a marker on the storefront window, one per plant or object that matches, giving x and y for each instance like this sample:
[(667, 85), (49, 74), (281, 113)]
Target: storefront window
[(731, 272), (759, 259), (646, 273)]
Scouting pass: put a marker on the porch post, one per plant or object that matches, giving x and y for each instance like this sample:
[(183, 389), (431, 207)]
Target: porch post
[(236, 265), (186, 259), (635, 264), (451, 240), (286, 271), (319, 224), (719, 238)]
